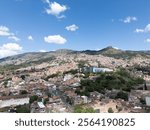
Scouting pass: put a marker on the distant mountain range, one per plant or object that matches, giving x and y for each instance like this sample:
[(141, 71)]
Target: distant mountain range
[(118, 53), (39, 57)]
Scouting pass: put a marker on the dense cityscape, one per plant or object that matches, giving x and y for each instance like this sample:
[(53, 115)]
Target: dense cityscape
[(66, 81)]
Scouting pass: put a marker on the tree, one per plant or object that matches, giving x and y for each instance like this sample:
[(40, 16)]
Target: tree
[(23, 109), (110, 110), (5, 83), (46, 100), (122, 95), (23, 92), (23, 77), (33, 98)]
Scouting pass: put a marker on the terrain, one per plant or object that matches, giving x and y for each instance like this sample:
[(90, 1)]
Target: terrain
[(107, 80)]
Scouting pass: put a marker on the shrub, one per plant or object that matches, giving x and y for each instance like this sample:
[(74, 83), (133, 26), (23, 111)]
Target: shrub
[(110, 110)]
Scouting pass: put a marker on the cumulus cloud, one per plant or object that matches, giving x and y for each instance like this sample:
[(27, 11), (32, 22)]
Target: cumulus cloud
[(145, 30), (56, 39), (55, 9), (14, 38), (9, 49), (30, 38), (42, 50), (129, 19), (4, 31), (147, 40), (72, 27)]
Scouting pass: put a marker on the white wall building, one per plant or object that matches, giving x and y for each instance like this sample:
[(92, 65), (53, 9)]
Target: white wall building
[(13, 102)]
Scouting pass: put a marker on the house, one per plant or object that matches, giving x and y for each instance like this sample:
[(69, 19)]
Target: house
[(147, 99), (85, 99), (67, 77), (1, 77), (96, 70), (112, 94), (37, 107), (135, 97)]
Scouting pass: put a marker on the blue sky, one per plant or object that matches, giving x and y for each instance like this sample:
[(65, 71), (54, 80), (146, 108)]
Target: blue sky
[(45, 25)]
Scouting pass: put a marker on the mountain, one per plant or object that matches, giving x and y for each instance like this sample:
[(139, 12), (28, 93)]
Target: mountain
[(105, 51), (118, 53), (40, 57)]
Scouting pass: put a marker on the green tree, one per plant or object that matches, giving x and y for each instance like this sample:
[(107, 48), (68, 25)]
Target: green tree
[(110, 110), (122, 95), (33, 98), (22, 109)]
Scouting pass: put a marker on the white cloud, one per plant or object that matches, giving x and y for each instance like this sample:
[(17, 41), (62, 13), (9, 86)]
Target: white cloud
[(30, 38), (43, 50), (55, 9), (139, 30), (129, 19), (145, 30), (14, 38), (4, 31), (147, 40), (56, 39), (72, 27), (9, 49), (116, 48)]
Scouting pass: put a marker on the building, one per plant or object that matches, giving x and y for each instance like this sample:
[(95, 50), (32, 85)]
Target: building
[(13, 102), (41, 105), (147, 99), (96, 69), (67, 77), (85, 99)]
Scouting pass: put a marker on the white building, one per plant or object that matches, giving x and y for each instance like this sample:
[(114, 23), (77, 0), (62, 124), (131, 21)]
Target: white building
[(68, 77), (13, 102), (147, 100), (85, 99), (41, 105)]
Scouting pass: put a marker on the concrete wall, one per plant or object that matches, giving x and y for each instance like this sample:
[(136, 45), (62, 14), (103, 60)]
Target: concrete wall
[(13, 102)]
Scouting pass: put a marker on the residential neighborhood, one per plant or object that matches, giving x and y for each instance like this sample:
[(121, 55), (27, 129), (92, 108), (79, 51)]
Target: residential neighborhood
[(65, 85)]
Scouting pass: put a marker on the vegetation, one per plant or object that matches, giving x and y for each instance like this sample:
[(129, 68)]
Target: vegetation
[(12, 67), (82, 63), (110, 110), (120, 80), (23, 92), (23, 77), (145, 69), (49, 94), (5, 83), (122, 95), (46, 100), (33, 98), (115, 53), (148, 110), (142, 101), (23, 109), (81, 109)]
